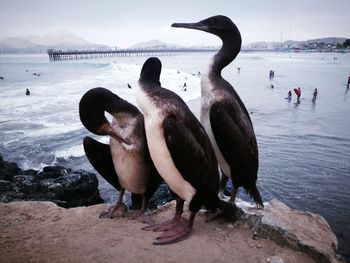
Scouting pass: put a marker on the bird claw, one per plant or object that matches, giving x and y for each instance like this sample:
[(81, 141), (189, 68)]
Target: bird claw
[(141, 217), (117, 210)]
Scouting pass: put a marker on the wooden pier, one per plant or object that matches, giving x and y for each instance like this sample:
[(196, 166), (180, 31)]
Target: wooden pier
[(86, 54)]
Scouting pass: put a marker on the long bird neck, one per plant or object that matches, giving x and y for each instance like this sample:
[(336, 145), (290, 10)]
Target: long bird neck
[(229, 50), (113, 104)]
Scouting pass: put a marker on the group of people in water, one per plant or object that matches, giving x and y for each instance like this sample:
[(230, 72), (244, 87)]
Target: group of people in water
[(298, 93)]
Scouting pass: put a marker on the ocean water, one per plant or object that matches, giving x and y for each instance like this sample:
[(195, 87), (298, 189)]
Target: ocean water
[(304, 147)]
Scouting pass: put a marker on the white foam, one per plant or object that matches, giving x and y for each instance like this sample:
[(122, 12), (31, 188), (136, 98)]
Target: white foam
[(52, 109), (73, 151)]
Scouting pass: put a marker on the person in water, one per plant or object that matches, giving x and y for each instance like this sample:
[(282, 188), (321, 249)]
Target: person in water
[(299, 93), (27, 92), (184, 87), (315, 95), (289, 95), (348, 82)]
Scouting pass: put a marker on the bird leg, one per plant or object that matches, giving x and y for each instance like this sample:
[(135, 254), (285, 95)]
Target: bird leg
[(169, 223), (117, 210), (233, 194), (178, 233), (175, 229), (140, 216)]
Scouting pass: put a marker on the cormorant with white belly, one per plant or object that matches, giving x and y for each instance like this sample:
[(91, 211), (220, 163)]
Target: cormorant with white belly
[(223, 113), (125, 162), (181, 152)]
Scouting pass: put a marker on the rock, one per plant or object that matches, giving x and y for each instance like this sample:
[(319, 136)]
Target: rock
[(5, 186), (8, 169), (38, 231), (53, 183), (53, 172), (302, 231), (161, 196)]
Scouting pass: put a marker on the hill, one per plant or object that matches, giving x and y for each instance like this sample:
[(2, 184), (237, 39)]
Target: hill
[(333, 41), (40, 43), (153, 44)]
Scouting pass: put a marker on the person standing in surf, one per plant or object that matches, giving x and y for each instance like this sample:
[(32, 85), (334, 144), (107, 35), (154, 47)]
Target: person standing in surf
[(315, 95), (298, 93)]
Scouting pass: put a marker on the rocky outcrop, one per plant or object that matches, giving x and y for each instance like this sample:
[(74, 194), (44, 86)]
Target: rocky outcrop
[(42, 232), (302, 231), (57, 184), (292, 231)]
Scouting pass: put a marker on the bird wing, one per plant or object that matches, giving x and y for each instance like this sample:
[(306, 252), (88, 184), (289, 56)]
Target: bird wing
[(188, 151), (235, 138), (100, 157)]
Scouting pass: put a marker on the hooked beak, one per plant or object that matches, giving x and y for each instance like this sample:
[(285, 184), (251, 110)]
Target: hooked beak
[(107, 129), (198, 26)]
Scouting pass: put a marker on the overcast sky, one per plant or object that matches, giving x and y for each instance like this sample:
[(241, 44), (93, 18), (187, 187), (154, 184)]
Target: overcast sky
[(125, 22)]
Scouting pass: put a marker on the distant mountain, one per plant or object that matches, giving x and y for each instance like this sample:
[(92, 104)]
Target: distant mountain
[(153, 44), (40, 43), (295, 43), (327, 40)]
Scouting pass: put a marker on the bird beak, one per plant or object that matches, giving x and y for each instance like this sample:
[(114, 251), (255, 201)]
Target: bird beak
[(198, 26), (108, 130), (119, 138)]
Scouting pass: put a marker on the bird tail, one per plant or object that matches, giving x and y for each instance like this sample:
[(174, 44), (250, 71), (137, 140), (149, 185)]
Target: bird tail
[(230, 210), (254, 193)]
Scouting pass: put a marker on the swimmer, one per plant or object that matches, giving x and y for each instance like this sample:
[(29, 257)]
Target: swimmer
[(184, 87), (314, 95)]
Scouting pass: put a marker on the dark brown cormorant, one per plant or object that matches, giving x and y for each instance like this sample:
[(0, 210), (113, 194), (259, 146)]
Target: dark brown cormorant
[(181, 152), (125, 162), (223, 114)]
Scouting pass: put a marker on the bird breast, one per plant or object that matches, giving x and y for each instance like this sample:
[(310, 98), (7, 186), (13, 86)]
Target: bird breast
[(128, 160)]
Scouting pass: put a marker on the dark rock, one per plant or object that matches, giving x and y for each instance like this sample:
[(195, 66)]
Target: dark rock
[(30, 172), (54, 172), (25, 183), (161, 196), (7, 170), (55, 183), (5, 186), (46, 183), (56, 188)]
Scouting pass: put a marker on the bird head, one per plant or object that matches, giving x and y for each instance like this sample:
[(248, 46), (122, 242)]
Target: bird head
[(220, 26), (92, 108), (151, 70)]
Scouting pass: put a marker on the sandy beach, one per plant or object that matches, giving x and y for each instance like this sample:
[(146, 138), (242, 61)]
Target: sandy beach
[(44, 232)]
